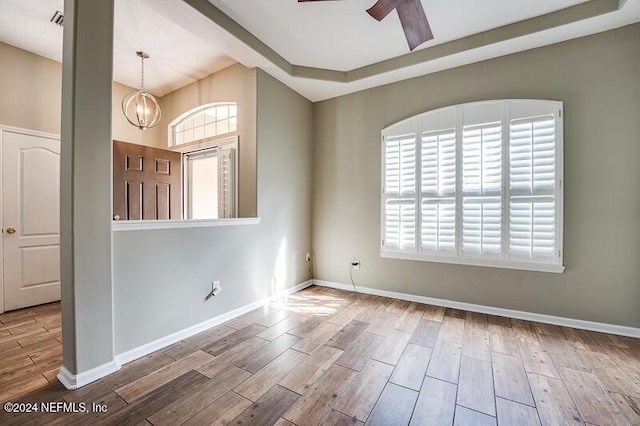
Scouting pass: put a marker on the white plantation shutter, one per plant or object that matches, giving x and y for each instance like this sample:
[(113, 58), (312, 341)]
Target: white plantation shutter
[(532, 229), (439, 163), (532, 224), (227, 182), (481, 186), (400, 224), (532, 155), (482, 159), (438, 185), (438, 226), (481, 223), (400, 192)]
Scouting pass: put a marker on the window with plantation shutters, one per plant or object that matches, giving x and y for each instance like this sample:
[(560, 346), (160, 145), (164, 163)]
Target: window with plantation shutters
[(477, 184)]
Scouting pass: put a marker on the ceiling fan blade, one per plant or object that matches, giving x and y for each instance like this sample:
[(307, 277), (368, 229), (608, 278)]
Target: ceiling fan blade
[(382, 8), (414, 22), (412, 17)]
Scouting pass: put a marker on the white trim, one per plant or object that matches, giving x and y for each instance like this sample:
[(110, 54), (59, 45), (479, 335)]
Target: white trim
[(559, 190), (620, 330), (202, 144), (29, 132), (146, 225), (66, 378), (74, 381), (506, 264), (163, 342)]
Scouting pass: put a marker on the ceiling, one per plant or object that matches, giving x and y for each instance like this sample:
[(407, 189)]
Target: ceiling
[(320, 49), (340, 35), (178, 57)]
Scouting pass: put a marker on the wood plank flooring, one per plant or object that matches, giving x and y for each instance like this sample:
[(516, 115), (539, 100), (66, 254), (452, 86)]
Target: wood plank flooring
[(30, 349), (329, 357)]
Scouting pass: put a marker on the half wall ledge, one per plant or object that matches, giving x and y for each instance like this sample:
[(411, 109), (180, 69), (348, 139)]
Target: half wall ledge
[(149, 225)]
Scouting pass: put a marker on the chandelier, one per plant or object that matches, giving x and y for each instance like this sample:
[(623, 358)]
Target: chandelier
[(139, 107)]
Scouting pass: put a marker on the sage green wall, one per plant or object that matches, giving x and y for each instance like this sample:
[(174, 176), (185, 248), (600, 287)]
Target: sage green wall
[(598, 78), (161, 277), (232, 84)]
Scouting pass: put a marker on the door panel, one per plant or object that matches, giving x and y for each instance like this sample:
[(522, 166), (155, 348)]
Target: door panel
[(133, 163), (40, 192), (163, 167), (31, 207), (147, 182), (133, 209), (163, 201), (40, 265)]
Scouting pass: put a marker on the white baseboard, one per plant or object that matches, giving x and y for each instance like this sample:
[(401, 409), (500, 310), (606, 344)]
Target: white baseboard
[(74, 381), (163, 342), (620, 330)]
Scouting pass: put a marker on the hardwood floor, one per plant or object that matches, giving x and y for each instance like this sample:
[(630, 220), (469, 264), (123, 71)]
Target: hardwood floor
[(30, 349), (329, 357)]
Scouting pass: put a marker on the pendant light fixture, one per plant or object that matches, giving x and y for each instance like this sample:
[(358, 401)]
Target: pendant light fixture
[(139, 107)]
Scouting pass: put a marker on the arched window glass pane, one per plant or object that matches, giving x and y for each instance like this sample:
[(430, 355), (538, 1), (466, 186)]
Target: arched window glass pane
[(206, 122)]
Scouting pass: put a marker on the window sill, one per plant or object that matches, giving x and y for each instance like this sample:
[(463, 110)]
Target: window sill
[(148, 225), (523, 266)]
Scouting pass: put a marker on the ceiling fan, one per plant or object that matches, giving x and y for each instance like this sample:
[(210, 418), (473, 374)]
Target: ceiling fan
[(412, 17)]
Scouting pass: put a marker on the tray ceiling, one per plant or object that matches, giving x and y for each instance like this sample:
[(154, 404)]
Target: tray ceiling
[(320, 49)]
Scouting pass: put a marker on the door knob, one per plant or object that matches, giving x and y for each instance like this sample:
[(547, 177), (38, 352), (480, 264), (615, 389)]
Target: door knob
[(116, 217), (11, 231)]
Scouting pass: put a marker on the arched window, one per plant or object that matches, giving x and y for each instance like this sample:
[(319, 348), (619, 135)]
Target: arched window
[(476, 184), (203, 122)]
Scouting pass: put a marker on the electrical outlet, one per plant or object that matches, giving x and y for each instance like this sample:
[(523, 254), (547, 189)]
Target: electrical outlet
[(216, 288), (355, 264), (308, 257)]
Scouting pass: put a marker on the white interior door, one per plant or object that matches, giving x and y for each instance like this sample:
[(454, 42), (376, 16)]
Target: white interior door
[(31, 219)]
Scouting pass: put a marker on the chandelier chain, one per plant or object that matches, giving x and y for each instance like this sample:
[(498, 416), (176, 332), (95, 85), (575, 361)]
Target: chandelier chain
[(142, 74)]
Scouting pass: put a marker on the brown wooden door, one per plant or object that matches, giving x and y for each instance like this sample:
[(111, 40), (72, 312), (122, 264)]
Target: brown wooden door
[(147, 182)]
